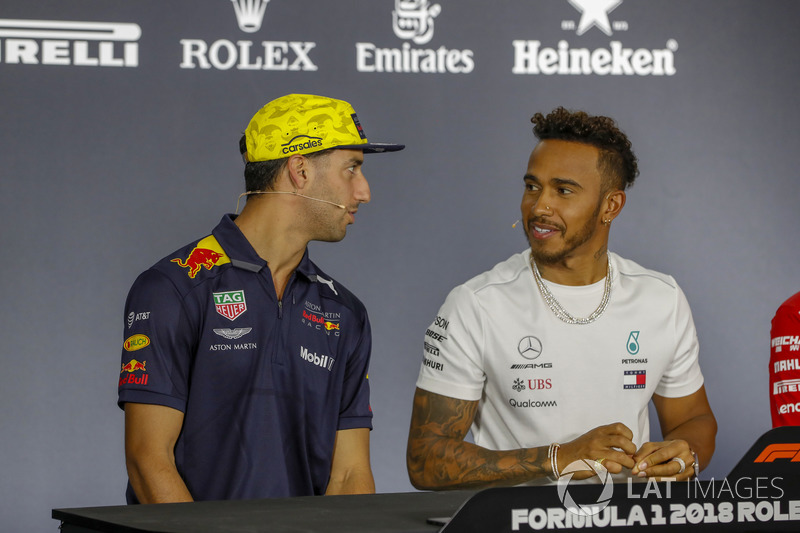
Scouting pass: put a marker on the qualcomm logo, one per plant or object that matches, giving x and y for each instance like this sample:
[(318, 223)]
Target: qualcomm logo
[(531, 57), (223, 54), (85, 44), (412, 20)]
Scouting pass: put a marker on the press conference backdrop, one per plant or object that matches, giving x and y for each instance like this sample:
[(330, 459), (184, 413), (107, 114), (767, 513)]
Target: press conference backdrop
[(119, 128)]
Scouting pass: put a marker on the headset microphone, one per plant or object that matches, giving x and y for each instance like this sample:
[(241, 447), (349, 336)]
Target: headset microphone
[(340, 206), (295, 193), (514, 225)]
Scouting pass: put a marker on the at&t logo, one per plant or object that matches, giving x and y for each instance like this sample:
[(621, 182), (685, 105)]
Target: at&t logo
[(224, 54)]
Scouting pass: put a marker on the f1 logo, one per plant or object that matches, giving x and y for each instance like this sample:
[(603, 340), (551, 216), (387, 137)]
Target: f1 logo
[(779, 451)]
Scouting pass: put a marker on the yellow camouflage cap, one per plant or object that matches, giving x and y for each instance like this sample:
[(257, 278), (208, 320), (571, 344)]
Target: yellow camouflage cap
[(305, 123)]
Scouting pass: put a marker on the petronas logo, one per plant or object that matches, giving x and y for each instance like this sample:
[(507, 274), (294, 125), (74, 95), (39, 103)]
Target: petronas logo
[(633, 343)]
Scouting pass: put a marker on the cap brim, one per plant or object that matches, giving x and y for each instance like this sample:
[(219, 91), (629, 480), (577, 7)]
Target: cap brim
[(373, 148)]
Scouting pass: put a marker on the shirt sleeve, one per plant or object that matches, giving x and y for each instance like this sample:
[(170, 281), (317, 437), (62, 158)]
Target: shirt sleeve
[(356, 411), (683, 376), (453, 349), (157, 347), (784, 365)]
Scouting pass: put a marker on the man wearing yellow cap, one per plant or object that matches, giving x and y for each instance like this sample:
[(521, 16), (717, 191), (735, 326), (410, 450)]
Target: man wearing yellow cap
[(244, 366)]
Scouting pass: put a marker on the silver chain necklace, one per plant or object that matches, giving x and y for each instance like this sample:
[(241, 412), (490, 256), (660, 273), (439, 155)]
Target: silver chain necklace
[(559, 310)]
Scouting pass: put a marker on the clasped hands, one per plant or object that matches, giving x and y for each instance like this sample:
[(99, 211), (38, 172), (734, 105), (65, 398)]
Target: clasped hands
[(612, 446)]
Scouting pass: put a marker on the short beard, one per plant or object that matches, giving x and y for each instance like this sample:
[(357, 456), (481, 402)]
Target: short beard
[(570, 245)]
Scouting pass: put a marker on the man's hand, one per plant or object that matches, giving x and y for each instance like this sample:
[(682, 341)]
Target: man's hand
[(611, 445), (656, 459), (688, 424)]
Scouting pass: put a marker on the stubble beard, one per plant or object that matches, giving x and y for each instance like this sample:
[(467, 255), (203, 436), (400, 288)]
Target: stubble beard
[(571, 243)]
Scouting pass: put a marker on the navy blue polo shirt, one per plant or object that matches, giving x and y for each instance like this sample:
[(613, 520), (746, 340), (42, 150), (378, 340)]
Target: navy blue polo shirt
[(263, 384)]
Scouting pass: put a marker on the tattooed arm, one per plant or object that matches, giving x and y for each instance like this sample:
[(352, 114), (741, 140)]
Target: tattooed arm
[(438, 458)]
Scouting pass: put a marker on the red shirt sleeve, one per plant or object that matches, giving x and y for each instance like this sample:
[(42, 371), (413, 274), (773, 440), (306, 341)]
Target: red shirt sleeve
[(784, 364)]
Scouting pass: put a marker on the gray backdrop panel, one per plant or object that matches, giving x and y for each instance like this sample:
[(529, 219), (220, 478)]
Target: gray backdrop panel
[(108, 168)]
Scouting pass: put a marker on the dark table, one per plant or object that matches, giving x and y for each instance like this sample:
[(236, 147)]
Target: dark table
[(383, 513)]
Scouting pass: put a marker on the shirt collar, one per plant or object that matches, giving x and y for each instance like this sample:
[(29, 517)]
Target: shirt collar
[(241, 252)]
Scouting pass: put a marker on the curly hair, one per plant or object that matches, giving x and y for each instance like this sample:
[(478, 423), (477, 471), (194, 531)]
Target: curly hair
[(616, 161)]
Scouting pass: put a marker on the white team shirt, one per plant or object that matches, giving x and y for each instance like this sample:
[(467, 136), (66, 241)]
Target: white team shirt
[(539, 380)]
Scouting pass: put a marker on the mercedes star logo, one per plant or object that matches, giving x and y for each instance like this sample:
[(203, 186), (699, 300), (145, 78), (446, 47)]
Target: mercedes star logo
[(530, 347)]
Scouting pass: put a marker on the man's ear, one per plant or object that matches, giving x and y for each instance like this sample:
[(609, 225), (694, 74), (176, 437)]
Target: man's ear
[(614, 202), (297, 167)]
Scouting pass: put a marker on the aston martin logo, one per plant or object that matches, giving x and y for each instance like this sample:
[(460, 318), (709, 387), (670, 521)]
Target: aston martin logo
[(234, 333)]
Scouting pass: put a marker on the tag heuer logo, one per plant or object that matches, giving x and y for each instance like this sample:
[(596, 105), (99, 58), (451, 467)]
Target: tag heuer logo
[(230, 304)]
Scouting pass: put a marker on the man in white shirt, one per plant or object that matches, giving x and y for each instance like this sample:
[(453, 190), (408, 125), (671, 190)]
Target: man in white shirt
[(554, 355)]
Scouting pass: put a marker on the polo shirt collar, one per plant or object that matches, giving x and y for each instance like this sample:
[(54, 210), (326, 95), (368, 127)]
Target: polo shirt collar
[(241, 252)]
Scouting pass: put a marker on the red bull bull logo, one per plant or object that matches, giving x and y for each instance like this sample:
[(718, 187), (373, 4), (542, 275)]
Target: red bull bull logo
[(136, 342), (128, 373), (331, 325), (200, 257), (134, 365)]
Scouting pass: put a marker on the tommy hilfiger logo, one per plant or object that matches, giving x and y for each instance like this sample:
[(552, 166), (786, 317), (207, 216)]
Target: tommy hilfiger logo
[(634, 379)]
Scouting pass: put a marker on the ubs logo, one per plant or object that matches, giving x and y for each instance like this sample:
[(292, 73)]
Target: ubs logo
[(530, 347)]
